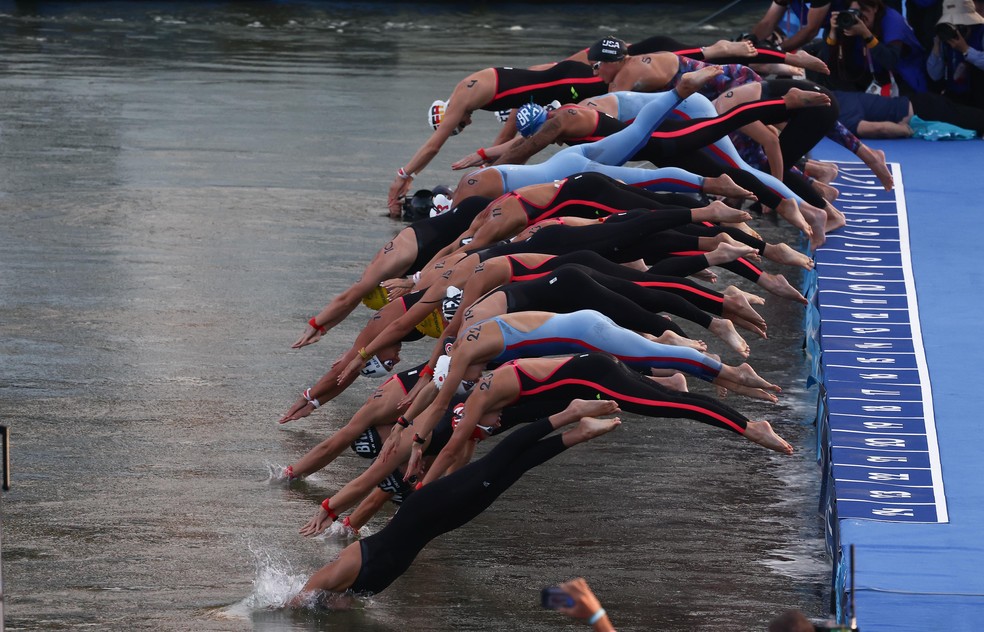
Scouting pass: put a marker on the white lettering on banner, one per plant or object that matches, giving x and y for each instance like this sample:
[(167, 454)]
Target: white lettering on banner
[(880, 493), (877, 425), (885, 476), (857, 287), (874, 345), (885, 442), (863, 233), (892, 512), (888, 459), (865, 259), (871, 391), (870, 330), (861, 273), (881, 409), (869, 301), (863, 316), (865, 220), (879, 376), (876, 360)]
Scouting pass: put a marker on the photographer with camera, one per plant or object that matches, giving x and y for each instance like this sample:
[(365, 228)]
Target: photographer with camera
[(957, 60), (871, 48)]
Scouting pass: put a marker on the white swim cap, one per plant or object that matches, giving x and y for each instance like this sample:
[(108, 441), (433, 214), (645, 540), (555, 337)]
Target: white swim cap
[(375, 368), (441, 368), (450, 305)]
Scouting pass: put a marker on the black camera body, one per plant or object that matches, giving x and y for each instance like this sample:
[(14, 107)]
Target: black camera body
[(847, 18), (946, 32)]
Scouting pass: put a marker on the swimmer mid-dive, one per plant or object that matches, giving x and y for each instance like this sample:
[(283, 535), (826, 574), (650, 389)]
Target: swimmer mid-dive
[(373, 563)]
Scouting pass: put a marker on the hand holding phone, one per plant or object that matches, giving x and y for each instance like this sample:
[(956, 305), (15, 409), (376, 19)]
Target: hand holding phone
[(554, 597)]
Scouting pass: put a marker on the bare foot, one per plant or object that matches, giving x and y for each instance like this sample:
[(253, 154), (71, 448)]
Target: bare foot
[(745, 228), (753, 299), (724, 386), (691, 82), (778, 285), (673, 338), (725, 330), (761, 432), (818, 224), (782, 253), (717, 211), (803, 59), (825, 172), (835, 219), (747, 376), (747, 325), (724, 186), (790, 211), (797, 98), (676, 382), (875, 159), (579, 408), (826, 191), (724, 48), (737, 305), (726, 253), (705, 275), (588, 428)]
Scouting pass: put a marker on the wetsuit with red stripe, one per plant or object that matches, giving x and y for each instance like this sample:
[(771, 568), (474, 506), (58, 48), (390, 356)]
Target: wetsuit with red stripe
[(601, 376), (567, 82), (591, 195)]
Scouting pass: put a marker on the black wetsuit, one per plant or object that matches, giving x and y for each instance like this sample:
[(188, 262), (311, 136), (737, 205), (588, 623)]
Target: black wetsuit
[(434, 233), (702, 297), (601, 376), (571, 287), (623, 237), (451, 502), (592, 195), (661, 44), (567, 82)]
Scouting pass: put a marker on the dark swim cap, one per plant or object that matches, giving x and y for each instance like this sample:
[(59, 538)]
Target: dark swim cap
[(529, 118), (609, 49)]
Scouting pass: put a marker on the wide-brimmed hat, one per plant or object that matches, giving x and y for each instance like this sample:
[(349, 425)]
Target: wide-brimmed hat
[(961, 12)]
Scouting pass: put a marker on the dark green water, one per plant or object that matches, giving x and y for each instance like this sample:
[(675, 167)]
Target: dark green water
[(181, 186)]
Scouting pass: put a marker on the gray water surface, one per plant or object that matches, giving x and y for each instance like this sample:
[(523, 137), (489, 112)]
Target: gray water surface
[(182, 185)]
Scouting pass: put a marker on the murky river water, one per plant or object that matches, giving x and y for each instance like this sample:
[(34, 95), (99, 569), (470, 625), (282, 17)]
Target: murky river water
[(181, 187)]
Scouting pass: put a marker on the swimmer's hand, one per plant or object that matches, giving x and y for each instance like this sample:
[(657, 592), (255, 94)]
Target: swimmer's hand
[(301, 408), (416, 462), (316, 525), (351, 370), (397, 191), (310, 336), (392, 443), (396, 288), (471, 160)]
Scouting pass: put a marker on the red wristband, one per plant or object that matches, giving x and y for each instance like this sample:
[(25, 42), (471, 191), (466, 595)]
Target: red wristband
[(424, 372), (481, 154), (418, 486), (289, 473), (402, 421), (326, 505), (314, 323)]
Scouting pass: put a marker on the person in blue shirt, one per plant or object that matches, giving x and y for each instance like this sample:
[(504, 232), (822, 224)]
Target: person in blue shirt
[(871, 47), (956, 61)]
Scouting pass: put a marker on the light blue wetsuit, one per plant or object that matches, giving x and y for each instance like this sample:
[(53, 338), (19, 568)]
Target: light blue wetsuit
[(608, 154), (630, 104), (587, 330)]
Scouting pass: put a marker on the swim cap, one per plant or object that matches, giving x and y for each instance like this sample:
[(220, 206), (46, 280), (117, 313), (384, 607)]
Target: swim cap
[(609, 49), (376, 298), (432, 325), (436, 114), (441, 202), (376, 368), (369, 443), (450, 305), (529, 118), (441, 368)]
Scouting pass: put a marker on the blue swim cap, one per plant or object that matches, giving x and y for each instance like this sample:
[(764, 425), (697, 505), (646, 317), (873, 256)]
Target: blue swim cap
[(529, 118)]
